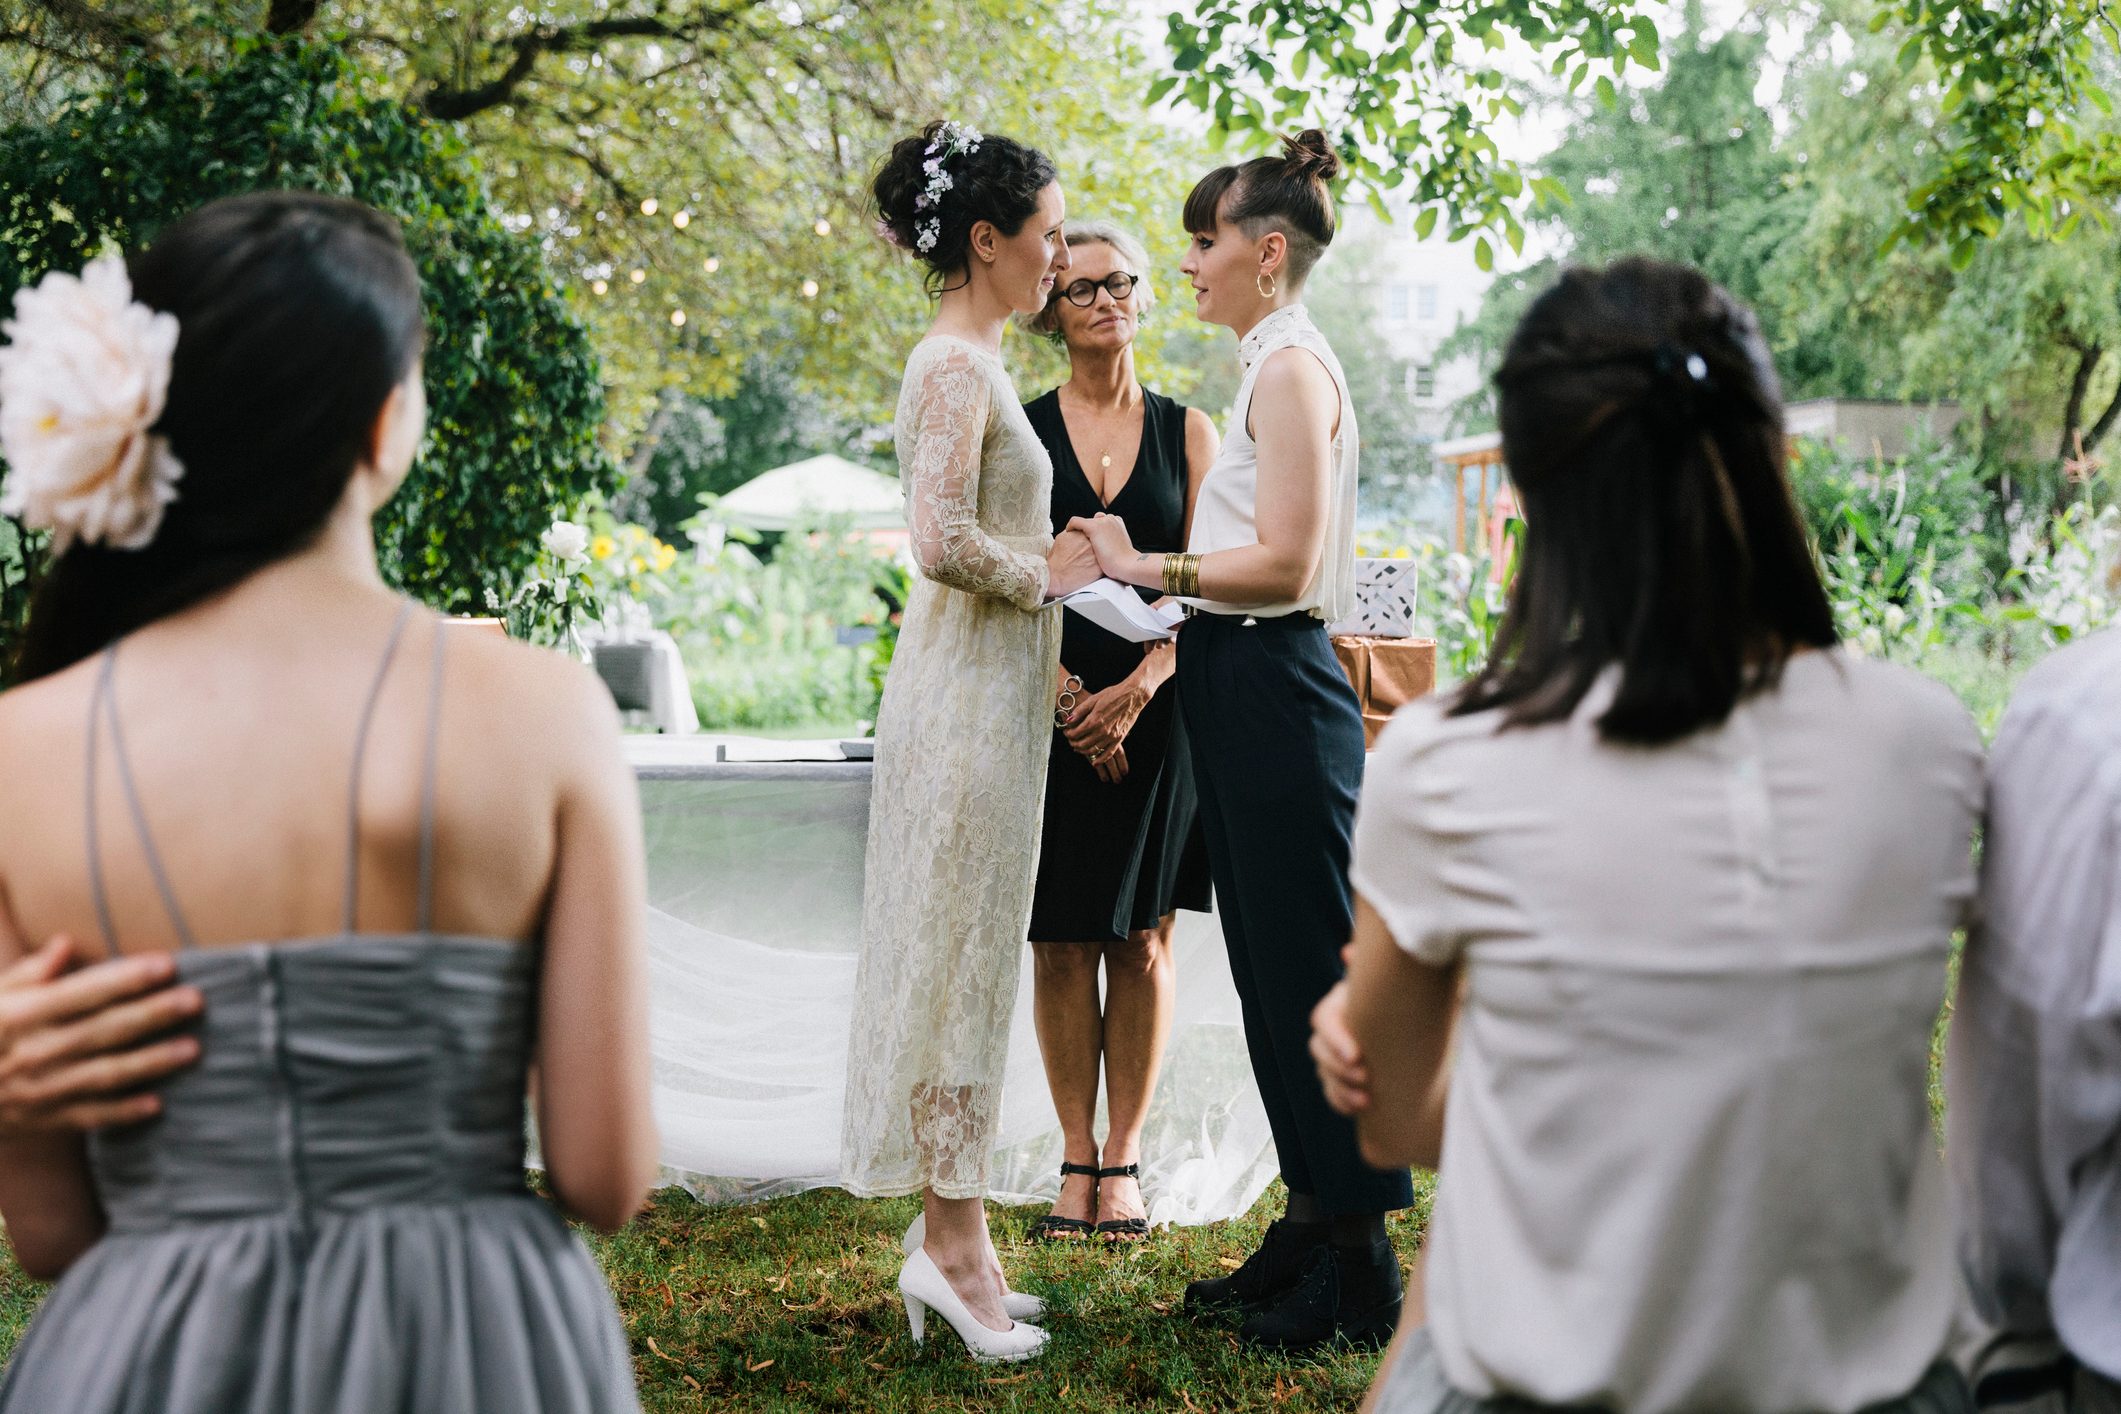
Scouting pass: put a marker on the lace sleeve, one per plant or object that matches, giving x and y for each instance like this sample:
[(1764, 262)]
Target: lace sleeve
[(940, 431)]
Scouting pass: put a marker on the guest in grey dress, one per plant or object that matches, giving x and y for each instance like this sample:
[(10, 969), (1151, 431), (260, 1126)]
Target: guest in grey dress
[(237, 745)]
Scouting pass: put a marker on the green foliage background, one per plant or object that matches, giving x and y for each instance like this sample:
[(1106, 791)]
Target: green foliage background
[(512, 383)]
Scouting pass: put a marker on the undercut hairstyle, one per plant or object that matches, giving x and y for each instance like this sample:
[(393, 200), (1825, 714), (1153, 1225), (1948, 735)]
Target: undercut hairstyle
[(297, 316), (1642, 426), (1290, 194)]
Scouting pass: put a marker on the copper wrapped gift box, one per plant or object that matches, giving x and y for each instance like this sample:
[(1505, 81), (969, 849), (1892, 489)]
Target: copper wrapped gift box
[(1386, 673)]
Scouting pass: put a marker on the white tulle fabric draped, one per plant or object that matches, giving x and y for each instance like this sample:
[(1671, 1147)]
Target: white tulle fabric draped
[(755, 886)]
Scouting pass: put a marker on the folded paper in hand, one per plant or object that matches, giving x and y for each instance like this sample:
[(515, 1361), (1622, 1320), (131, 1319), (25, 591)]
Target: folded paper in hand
[(1115, 608)]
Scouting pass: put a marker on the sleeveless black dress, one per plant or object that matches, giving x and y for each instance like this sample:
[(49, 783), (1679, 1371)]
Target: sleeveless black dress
[(1114, 859)]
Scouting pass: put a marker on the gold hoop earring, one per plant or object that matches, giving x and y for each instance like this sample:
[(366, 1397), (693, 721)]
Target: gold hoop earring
[(1266, 285)]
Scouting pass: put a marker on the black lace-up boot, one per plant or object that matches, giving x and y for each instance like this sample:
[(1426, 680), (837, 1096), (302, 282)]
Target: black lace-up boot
[(1265, 1277), (1345, 1295)]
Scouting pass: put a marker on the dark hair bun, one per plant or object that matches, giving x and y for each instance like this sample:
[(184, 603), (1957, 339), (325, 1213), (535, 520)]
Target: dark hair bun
[(1288, 193), (992, 179), (1310, 154)]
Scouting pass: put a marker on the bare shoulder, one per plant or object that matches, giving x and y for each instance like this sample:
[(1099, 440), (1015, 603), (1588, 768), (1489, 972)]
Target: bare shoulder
[(537, 695), (1296, 384), (1296, 371), (1202, 440), (37, 714)]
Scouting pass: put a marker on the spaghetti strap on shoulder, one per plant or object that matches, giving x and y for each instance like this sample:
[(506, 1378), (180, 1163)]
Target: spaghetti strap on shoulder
[(105, 698), (88, 811), (429, 770), (103, 717), (360, 757)]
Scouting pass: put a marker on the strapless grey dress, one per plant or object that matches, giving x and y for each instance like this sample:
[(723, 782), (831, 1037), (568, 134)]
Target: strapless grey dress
[(330, 1215)]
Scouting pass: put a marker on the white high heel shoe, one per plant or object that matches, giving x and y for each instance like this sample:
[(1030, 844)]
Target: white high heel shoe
[(924, 1288), (1020, 1305)]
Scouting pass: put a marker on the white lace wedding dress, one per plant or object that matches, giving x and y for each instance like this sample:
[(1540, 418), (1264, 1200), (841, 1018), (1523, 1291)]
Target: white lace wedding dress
[(961, 742)]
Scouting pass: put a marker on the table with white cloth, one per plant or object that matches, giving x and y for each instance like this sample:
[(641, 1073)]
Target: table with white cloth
[(755, 900), (662, 697)]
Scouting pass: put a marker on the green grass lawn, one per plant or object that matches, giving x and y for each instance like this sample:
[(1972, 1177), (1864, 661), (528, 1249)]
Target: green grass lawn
[(791, 1305)]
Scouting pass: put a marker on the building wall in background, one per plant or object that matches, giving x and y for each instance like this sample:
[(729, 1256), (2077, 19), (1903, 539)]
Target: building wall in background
[(1426, 289)]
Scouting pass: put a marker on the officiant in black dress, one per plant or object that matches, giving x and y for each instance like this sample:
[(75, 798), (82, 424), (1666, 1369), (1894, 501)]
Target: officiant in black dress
[(1122, 847)]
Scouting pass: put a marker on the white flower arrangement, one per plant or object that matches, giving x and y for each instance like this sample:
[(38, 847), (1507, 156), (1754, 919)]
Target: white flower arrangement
[(546, 607), (567, 542), (951, 139), (83, 378)]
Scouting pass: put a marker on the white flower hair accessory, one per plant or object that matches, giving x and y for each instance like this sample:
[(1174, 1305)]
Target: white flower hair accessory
[(83, 376), (950, 139)]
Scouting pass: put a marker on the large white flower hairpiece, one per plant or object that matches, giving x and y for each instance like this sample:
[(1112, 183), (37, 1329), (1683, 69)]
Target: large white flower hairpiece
[(951, 138), (83, 377)]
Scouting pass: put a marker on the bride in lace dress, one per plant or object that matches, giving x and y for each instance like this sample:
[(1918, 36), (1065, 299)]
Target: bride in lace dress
[(962, 735)]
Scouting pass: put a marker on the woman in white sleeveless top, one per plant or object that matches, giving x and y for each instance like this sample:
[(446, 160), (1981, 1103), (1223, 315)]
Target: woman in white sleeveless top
[(961, 737), (1276, 732)]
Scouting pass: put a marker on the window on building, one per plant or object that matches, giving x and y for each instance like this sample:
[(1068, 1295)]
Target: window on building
[(1424, 301), (1395, 304), (1424, 378)]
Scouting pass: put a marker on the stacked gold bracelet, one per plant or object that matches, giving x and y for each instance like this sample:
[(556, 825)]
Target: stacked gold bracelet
[(1182, 576)]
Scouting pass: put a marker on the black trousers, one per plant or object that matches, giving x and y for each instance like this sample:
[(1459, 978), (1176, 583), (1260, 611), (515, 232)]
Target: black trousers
[(1276, 735)]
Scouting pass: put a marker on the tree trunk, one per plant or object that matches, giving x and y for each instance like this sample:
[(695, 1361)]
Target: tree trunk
[(2104, 425), (2088, 356)]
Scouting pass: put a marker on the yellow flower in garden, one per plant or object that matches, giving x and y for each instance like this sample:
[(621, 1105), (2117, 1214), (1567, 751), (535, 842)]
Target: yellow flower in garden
[(639, 565), (665, 557), (603, 548)]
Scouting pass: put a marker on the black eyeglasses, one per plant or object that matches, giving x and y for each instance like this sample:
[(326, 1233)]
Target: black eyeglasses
[(1083, 293)]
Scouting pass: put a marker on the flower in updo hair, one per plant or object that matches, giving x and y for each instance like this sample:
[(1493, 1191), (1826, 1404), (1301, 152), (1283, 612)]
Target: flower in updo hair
[(83, 378)]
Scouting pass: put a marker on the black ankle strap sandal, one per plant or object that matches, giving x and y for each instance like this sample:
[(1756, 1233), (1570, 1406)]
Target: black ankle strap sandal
[(1123, 1229), (1055, 1228)]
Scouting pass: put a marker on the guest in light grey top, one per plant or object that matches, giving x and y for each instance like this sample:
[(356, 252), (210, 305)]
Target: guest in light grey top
[(1654, 920), (2034, 1077), (1687, 1163)]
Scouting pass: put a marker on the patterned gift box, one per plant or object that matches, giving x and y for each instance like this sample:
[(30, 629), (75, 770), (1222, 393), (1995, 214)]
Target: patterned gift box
[(1384, 600)]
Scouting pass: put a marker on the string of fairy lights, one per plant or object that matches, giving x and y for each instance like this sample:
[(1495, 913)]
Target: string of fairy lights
[(681, 219)]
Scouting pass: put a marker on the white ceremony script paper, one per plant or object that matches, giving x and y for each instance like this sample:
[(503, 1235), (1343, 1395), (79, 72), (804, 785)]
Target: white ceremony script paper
[(1115, 608)]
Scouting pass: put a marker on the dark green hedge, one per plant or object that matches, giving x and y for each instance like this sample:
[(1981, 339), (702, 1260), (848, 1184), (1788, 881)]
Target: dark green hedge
[(512, 383)]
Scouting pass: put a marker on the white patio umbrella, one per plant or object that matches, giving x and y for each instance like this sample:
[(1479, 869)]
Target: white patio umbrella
[(805, 492)]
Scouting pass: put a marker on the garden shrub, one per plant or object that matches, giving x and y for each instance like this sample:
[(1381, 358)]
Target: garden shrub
[(513, 388)]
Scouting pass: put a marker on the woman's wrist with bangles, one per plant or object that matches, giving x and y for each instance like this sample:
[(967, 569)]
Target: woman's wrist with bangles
[(1064, 701), (1181, 575)]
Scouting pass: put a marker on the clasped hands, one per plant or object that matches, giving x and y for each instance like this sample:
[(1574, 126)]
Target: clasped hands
[(1110, 541), (1070, 564), (1089, 547), (1097, 728)]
